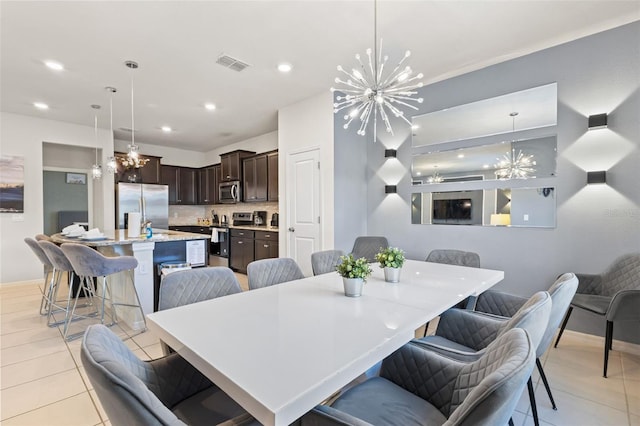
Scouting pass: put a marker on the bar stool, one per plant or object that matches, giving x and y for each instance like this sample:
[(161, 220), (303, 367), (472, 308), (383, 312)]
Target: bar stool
[(88, 263), (61, 265), (49, 271)]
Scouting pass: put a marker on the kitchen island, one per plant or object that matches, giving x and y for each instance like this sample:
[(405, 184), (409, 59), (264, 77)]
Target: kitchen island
[(164, 246)]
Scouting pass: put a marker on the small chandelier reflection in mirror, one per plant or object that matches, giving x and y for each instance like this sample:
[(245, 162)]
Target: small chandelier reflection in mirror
[(96, 169), (436, 177), (512, 165), (369, 92)]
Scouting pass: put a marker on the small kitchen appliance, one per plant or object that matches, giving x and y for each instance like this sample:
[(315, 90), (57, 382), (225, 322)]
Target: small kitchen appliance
[(224, 220), (260, 218), (242, 218), (274, 219)]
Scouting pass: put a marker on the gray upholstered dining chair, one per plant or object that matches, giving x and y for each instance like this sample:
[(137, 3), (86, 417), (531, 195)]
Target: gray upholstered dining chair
[(506, 305), (367, 247), (454, 257), (267, 272), (464, 335), (195, 285), (614, 295), (323, 262), (165, 391), (49, 274), (417, 386)]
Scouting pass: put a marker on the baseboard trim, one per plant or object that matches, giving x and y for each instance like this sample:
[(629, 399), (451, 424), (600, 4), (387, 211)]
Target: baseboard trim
[(618, 345), (21, 283)]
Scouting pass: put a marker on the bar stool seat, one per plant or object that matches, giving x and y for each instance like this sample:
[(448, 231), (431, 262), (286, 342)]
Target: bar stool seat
[(88, 263), (49, 271), (61, 264)]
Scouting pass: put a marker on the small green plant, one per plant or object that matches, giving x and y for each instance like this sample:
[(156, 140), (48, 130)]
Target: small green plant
[(390, 257), (350, 267)]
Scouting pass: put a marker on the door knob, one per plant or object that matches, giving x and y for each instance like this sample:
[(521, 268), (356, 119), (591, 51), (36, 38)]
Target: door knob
[(292, 229)]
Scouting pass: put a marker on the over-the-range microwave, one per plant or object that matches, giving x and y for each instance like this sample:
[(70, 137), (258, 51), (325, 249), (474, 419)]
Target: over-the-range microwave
[(230, 192)]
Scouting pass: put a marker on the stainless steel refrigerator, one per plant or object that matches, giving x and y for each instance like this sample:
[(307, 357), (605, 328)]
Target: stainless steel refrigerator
[(151, 201)]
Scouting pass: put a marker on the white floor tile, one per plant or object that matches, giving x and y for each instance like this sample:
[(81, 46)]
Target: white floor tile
[(98, 405), (38, 393), (32, 350), (28, 336), (36, 368), (634, 420), (77, 411)]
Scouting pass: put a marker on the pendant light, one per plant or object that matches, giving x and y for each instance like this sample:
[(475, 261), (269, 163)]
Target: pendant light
[(133, 148), (112, 165), (369, 93), (512, 165), (96, 169)]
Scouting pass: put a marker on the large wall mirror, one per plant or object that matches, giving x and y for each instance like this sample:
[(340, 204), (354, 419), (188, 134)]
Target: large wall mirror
[(487, 162), (535, 107), (516, 207)]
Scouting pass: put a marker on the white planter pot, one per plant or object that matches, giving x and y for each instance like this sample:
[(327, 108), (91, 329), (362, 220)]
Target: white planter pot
[(352, 286), (392, 275)]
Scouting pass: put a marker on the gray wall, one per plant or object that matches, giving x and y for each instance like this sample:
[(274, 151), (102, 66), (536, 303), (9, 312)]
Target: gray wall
[(595, 224), (60, 195)]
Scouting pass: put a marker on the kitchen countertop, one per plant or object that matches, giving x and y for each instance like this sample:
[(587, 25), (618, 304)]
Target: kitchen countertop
[(120, 237), (247, 227)]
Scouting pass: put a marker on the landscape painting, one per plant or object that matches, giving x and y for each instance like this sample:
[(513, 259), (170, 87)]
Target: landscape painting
[(11, 184)]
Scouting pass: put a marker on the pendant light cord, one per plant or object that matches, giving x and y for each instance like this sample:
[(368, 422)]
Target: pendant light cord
[(95, 131), (133, 141), (375, 40)]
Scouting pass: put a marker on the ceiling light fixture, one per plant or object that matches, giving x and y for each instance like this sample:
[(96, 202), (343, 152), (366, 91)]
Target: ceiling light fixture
[(54, 65), (210, 106), (112, 165), (40, 105), (133, 159), (96, 169), (367, 91), (512, 165), (166, 129), (285, 67)]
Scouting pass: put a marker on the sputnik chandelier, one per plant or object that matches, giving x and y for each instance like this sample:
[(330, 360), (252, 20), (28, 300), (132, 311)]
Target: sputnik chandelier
[(368, 91), (512, 165), (436, 177)]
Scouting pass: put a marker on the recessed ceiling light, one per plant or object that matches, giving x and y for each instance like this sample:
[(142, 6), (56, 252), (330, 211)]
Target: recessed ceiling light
[(166, 129), (56, 66), (285, 67), (485, 166), (40, 105), (460, 155), (210, 106), (415, 127)]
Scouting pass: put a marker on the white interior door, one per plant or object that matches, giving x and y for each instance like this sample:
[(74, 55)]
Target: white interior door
[(303, 207)]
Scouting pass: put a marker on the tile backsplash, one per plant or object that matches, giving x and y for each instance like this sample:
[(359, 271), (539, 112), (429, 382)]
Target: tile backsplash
[(188, 215)]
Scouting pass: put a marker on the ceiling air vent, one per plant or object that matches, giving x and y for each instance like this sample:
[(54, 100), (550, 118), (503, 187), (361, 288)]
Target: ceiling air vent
[(231, 63)]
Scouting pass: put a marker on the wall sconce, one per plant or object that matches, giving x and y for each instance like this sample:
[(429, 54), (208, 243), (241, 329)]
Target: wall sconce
[(390, 189), (598, 121), (390, 153), (596, 177)]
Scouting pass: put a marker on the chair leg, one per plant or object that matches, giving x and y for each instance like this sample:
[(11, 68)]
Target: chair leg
[(564, 324), (511, 421), (426, 327), (546, 383), (608, 343), (532, 400)]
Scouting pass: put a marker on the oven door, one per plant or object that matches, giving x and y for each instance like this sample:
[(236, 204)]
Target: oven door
[(230, 192)]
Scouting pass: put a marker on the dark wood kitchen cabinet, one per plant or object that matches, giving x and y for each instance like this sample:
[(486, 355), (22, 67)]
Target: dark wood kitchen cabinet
[(182, 184), (149, 173), (241, 250), (272, 176), (255, 178), (209, 179), (266, 245), (231, 164)]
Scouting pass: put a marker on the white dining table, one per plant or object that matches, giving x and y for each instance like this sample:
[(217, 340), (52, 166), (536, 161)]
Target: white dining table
[(279, 351)]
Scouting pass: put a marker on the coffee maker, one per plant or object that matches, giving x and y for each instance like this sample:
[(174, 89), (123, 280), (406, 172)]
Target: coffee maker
[(274, 219), (260, 218)]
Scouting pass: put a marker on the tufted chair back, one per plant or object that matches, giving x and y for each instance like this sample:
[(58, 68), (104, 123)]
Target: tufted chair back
[(195, 285), (267, 272), (323, 262)]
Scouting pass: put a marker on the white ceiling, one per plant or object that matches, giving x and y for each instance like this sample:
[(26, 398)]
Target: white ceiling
[(177, 43)]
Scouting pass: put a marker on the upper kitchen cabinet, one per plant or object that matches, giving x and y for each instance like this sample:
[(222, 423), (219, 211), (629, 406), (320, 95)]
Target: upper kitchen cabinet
[(182, 183), (272, 173), (255, 178), (209, 179), (149, 173), (231, 164)]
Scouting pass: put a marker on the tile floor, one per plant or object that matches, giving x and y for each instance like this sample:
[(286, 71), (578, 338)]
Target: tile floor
[(42, 381)]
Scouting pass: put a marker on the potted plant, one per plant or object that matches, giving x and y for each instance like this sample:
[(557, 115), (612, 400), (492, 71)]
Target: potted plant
[(391, 259), (354, 273)]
